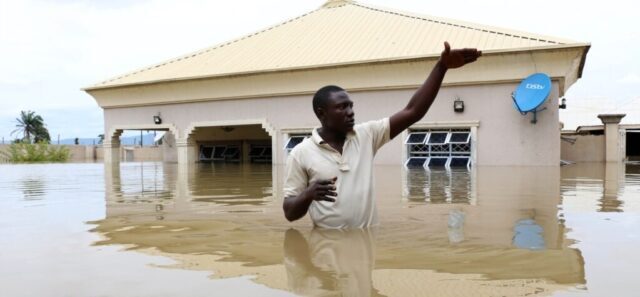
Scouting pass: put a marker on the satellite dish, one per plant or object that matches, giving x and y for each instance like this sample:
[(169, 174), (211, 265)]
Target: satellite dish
[(531, 94)]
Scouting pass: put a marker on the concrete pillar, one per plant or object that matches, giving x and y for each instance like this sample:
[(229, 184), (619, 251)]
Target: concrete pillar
[(111, 150), (612, 136), (277, 153), (622, 148), (187, 151), (246, 149), (169, 150)]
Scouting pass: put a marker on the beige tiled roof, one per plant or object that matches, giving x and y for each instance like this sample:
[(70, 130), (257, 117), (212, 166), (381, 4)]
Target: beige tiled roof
[(338, 33)]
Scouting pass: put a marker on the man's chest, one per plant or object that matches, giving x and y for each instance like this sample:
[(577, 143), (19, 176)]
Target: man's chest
[(325, 164)]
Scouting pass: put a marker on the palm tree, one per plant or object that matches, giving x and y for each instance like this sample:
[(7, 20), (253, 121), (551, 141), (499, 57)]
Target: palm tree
[(41, 135), (29, 123)]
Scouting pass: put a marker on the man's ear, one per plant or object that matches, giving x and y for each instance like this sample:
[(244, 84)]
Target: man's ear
[(320, 113)]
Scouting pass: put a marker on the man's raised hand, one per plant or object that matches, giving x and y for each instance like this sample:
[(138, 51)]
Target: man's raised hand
[(458, 57)]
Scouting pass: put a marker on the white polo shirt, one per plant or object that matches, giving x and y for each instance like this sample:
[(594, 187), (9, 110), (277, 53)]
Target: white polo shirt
[(314, 159)]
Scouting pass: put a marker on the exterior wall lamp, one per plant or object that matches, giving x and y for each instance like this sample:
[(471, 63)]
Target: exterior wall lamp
[(157, 119), (563, 105), (227, 128), (458, 105)]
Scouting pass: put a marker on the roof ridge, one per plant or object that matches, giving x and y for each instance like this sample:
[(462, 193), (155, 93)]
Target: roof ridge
[(336, 3), (208, 49), (443, 21)]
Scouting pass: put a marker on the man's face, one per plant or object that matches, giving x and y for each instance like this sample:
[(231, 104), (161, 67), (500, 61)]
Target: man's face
[(338, 114)]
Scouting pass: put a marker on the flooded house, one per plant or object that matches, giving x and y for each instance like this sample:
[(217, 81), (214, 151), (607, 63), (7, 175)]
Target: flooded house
[(249, 99)]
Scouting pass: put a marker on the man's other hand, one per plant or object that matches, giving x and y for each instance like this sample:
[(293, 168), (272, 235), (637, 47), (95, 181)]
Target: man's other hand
[(323, 190), (458, 57)]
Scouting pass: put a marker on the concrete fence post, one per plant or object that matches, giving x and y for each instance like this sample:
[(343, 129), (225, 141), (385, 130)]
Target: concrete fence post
[(611, 122)]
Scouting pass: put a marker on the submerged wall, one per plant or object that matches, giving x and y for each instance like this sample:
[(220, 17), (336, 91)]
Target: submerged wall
[(78, 153), (138, 154), (586, 148)]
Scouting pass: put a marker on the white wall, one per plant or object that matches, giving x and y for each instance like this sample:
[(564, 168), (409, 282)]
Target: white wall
[(586, 148), (504, 136)]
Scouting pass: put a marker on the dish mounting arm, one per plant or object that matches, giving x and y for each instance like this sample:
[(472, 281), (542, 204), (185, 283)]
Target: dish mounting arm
[(534, 120)]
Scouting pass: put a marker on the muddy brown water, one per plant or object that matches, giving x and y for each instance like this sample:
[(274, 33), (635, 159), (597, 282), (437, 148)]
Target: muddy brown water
[(153, 229)]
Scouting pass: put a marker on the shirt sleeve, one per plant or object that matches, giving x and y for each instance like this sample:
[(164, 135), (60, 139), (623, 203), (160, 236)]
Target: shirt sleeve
[(380, 132), (296, 179)]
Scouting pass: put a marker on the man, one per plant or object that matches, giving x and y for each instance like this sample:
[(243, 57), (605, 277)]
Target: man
[(329, 174)]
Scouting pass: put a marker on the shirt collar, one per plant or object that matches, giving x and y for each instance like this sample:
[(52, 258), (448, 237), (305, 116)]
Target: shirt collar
[(317, 139)]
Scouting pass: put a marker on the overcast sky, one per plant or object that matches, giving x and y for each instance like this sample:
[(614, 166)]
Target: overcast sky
[(51, 49)]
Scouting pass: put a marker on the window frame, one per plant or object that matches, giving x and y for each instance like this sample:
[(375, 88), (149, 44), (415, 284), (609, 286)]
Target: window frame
[(406, 163), (458, 142), (426, 137), (445, 165), (446, 137), (450, 149), (201, 155), (459, 157)]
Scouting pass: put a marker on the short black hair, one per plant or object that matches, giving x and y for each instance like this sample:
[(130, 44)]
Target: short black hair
[(321, 97)]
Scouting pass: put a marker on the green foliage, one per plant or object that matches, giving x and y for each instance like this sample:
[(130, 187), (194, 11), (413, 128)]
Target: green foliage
[(38, 152), (41, 135), (32, 127)]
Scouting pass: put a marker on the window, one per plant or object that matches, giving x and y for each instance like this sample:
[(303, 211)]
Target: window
[(267, 151), (437, 162), (232, 153), (415, 162), (460, 137), (294, 140), (441, 148), (256, 151), (219, 153), (205, 153), (416, 138), (459, 162), (437, 138), (260, 153)]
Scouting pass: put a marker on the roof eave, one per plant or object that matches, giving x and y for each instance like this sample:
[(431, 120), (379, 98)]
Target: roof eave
[(586, 47)]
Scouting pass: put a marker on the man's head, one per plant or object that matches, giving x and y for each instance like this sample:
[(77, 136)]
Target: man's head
[(334, 109)]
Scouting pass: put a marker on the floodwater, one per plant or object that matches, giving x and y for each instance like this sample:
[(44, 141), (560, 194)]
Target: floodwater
[(153, 229)]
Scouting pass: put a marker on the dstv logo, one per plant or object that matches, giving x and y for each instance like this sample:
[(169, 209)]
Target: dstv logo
[(535, 87)]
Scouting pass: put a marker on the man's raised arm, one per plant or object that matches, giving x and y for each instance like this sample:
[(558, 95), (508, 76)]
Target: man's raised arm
[(423, 98)]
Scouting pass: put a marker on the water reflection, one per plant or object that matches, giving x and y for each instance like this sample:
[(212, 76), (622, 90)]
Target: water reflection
[(33, 188), (231, 184), (139, 182), (331, 262), (439, 186), (492, 231), (610, 184)]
